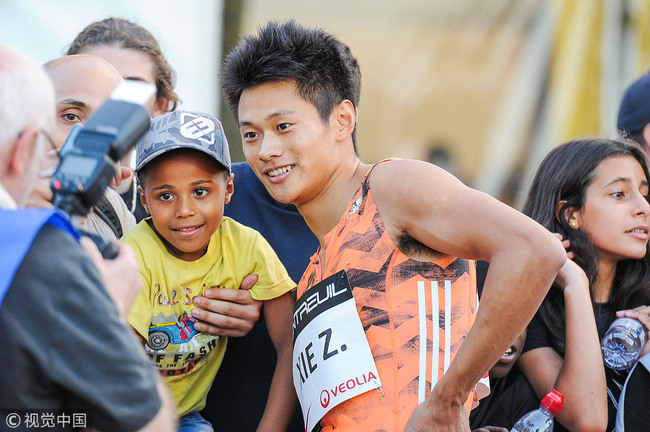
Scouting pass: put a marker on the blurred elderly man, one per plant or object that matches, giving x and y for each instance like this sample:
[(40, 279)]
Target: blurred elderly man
[(66, 349)]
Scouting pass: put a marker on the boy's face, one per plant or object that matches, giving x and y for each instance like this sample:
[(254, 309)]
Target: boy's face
[(185, 194), (286, 142)]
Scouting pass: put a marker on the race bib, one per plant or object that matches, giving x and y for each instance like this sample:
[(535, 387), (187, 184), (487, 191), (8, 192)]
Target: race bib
[(332, 361)]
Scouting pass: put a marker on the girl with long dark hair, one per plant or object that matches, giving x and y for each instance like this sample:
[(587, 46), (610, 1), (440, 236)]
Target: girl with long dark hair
[(594, 193)]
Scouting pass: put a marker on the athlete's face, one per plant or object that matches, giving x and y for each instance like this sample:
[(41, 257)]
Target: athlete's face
[(615, 214), (185, 193), (286, 142)]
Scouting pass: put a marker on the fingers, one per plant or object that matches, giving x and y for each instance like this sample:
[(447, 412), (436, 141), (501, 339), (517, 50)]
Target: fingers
[(126, 173), (242, 296), (248, 282), (126, 255), (226, 312), (566, 244), (221, 325), (121, 174), (639, 310), (125, 251), (248, 310), (118, 175), (124, 265), (641, 313), (490, 429), (122, 277)]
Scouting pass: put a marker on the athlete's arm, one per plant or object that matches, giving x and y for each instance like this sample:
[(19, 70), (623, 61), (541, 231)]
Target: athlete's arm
[(431, 206)]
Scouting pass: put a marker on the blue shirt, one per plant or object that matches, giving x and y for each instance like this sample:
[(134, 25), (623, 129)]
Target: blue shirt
[(281, 225)]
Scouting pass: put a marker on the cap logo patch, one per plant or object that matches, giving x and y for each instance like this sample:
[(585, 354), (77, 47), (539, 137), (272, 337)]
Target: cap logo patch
[(197, 128)]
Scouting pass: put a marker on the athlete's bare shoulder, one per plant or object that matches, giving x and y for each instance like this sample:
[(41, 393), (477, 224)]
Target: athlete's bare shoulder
[(404, 189)]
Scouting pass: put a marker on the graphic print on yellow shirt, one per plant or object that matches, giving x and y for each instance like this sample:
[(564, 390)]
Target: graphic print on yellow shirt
[(174, 346)]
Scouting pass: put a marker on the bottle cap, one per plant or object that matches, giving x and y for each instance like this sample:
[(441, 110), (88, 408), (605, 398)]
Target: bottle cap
[(553, 401)]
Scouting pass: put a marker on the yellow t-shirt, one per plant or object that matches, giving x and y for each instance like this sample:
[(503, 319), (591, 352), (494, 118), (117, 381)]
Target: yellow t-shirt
[(162, 313)]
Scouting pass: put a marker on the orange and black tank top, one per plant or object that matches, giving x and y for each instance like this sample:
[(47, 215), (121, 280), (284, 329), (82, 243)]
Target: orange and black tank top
[(415, 314)]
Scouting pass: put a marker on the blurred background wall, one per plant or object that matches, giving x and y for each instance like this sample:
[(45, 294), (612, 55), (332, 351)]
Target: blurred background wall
[(483, 88), (189, 32)]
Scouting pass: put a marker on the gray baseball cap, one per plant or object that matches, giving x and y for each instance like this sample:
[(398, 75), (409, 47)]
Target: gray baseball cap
[(183, 129)]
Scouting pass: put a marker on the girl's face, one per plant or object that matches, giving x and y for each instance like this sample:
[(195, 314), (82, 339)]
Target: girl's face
[(616, 209)]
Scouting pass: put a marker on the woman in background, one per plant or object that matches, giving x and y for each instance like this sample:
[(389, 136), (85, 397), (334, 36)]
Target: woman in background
[(136, 55)]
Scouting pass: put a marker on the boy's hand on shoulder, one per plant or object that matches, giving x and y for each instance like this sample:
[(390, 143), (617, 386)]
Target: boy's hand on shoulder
[(228, 312)]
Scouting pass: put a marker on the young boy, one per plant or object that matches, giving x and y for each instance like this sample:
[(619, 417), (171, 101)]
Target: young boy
[(390, 234), (187, 247)]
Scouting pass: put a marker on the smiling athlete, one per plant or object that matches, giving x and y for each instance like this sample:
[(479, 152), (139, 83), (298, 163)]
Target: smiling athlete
[(403, 232)]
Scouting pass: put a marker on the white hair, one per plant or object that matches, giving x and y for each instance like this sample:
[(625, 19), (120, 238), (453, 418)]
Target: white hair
[(26, 95), (26, 101)]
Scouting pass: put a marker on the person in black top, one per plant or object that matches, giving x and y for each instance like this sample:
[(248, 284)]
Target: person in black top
[(594, 193)]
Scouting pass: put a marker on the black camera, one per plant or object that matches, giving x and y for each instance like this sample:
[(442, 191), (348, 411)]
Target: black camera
[(90, 153)]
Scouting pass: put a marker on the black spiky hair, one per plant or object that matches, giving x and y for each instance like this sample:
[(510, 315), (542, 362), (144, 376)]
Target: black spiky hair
[(323, 67)]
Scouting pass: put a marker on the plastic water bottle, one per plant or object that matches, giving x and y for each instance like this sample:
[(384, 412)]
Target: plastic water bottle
[(622, 343), (541, 419)]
